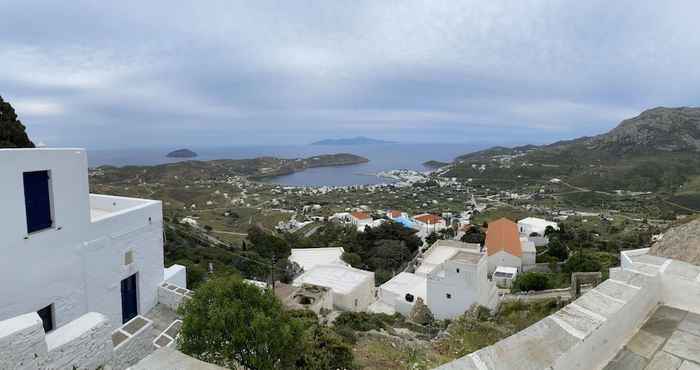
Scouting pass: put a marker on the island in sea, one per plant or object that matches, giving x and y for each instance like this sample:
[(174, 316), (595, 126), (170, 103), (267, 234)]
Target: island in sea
[(359, 140), (181, 153)]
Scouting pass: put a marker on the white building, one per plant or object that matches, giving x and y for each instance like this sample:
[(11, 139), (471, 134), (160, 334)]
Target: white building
[(66, 252), (360, 219), (400, 293), (353, 289), (460, 282), (504, 276), (427, 223), (452, 276), (505, 247), (530, 225), (308, 258)]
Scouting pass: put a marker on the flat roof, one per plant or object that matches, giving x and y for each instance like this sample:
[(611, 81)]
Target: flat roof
[(341, 279), (407, 282), (308, 258), (441, 251), (467, 257)]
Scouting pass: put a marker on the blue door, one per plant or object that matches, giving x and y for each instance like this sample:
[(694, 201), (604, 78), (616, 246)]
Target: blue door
[(129, 300), (37, 200)]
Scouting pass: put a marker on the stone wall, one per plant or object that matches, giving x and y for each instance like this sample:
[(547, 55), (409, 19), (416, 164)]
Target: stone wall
[(136, 343), (84, 343), (22, 344), (172, 296)]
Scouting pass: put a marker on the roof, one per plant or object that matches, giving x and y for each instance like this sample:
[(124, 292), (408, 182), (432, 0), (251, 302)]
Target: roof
[(469, 257), (538, 222), (340, 279), (360, 215), (308, 258), (171, 359), (503, 235), (441, 251), (507, 269), (404, 221), (407, 282), (393, 213), (428, 219)]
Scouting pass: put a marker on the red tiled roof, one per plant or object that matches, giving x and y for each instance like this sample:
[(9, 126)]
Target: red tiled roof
[(502, 235), (394, 213), (360, 215), (429, 219)]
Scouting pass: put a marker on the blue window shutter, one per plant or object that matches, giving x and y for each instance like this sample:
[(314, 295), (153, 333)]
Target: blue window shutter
[(37, 200)]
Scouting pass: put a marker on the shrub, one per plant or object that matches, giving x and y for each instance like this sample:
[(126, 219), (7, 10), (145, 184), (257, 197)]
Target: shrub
[(531, 281)]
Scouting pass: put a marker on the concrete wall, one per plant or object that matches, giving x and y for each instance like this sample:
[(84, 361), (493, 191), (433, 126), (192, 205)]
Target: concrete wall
[(586, 334), (363, 293), (22, 344), (176, 275), (503, 258), (85, 343), (172, 296), (78, 264)]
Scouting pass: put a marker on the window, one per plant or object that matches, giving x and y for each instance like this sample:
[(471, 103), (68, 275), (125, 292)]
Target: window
[(128, 258), (356, 302), (37, 200), (458, 271), (46, 316), (409, 297), (448, 295)]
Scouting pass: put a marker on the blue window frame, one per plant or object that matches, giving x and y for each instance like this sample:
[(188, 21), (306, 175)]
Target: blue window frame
[(37, 200)]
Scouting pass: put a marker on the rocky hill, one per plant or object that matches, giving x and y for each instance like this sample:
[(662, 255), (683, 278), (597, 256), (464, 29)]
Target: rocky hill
[(680, 243), (657, 151), (12, 132)]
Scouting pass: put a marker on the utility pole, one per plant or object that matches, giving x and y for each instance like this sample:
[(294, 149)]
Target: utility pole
[(272, 271)]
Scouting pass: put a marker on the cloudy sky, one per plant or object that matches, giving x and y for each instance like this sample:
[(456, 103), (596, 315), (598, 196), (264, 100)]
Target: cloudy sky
[(104, 74)]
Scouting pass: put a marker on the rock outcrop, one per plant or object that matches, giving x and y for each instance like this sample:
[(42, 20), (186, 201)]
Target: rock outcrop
[(680, 243)]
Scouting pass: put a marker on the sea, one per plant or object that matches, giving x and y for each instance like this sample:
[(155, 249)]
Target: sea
[(382, 157)]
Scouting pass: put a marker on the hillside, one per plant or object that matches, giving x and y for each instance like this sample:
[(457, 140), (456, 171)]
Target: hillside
[(205, 170), (12, 132), (657, 151)]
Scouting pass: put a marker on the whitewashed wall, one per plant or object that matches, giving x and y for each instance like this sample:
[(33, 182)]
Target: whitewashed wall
[(22, 344), (77, 265), (503, 258), (84, 343)]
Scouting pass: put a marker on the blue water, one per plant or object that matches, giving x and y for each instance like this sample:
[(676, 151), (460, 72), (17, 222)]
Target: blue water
[(382, 157)]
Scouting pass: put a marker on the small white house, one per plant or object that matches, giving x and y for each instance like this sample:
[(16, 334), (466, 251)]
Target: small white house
[(503, 245), (65, 252), (530, 225), (460, 282), (504, 276), (360, 219), (401, 292), (353, 289), (428, 223)]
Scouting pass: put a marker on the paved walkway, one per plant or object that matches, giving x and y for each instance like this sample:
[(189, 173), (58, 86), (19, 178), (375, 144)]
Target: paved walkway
[(669, 340)]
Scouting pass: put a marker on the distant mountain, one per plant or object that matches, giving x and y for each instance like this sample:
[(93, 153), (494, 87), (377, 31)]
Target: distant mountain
[(181, 153), (359, 140), (659, 150)]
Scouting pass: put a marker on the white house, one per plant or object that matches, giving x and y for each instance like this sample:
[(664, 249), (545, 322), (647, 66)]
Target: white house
[(427, 223), (529, 257), (460, 282), (503, 245), (308, 258), (530, 225), (65, 252), (452, 276), (504, 276), (400, 293), (360, 219), (353, 289)]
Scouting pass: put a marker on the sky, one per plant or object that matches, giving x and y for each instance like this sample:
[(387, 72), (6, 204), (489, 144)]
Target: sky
[(128, 74)]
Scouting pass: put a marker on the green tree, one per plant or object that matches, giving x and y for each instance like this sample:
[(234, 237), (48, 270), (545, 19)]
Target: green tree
[(12, 131), (229, 322), (324, 349), (531, 281), (432, 238), (474, 235)]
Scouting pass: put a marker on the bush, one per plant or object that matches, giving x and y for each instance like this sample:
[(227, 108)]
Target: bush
[(531, 281), (364, 321)]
